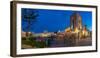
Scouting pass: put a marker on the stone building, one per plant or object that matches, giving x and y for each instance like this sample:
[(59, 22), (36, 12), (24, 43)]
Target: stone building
[(76, 25), (76, 22)]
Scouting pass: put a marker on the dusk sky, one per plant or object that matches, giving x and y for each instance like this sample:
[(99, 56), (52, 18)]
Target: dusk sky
[(54, 20)]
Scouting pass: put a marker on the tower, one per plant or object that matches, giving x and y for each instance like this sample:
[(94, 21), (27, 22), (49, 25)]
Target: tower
[(75, 21), (79, 21)]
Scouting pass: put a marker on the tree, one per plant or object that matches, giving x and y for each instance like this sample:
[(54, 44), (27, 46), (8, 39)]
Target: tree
[(29, 16)]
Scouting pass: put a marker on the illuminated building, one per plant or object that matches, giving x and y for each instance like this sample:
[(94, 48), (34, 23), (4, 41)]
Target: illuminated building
[(76, 22), (76, 25)]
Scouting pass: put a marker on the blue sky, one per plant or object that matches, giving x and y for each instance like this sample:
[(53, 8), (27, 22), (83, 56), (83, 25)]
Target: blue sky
[(54, 20)]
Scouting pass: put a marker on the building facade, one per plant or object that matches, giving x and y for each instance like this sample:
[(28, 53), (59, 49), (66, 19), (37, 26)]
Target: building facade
[(76, 21), (76, 25)]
